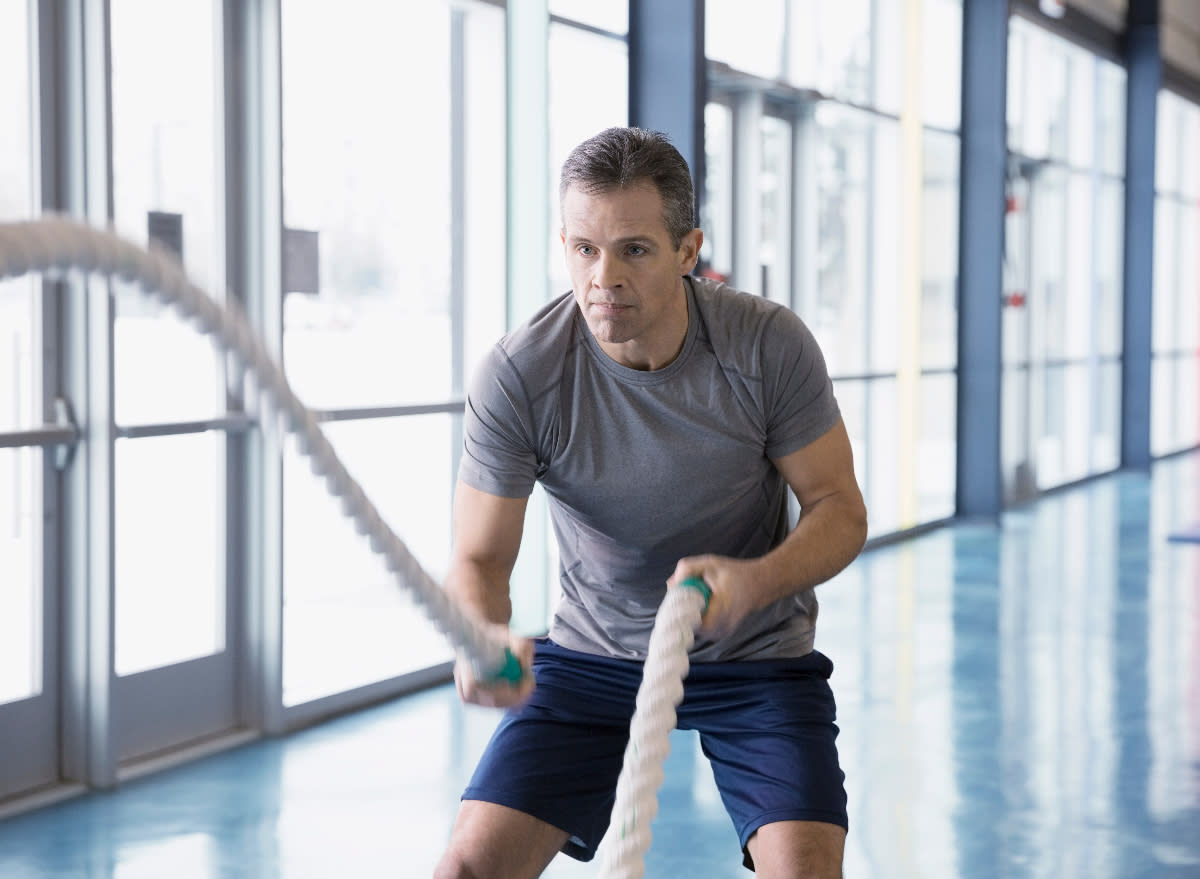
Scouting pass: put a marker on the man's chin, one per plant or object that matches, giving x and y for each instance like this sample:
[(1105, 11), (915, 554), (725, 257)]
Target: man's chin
[(609, 332)]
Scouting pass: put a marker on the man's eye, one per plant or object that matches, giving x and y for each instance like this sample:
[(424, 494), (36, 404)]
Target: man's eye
[(586, 250), (636, 250)]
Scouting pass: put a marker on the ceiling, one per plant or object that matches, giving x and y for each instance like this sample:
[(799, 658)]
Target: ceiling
[(1180, 32)]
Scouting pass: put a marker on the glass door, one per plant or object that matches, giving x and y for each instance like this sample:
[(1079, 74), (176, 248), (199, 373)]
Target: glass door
[(28, 675), (173, 662)]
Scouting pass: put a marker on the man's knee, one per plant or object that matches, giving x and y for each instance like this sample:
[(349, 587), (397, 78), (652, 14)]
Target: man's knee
[(490, 841), (454, 865), (798, 850)]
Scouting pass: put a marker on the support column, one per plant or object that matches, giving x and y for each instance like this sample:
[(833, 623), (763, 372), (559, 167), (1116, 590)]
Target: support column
[(981, 253), (1144, 66), (667, 77)]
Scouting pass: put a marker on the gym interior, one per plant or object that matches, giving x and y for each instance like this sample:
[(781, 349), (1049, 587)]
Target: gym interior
[(986, 211)]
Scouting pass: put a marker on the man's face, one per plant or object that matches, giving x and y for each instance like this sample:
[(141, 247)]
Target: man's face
[(627, 276)]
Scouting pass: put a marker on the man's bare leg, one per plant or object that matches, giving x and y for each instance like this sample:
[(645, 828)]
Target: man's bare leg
[(496, 842), (798, 850)]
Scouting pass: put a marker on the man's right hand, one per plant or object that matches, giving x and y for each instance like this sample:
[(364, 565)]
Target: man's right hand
[(497, 693)]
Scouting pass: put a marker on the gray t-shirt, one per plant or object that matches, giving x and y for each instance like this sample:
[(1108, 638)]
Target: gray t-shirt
[(642, 468)]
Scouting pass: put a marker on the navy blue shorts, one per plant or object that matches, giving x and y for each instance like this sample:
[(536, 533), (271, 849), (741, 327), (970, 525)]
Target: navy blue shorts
[(767, 728)]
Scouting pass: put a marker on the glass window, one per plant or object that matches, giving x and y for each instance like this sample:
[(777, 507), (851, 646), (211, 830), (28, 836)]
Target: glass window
[(21, 618), (21, 592), (16, 192), (841, 156), (1187, 311), (613, 17), (1108, 260), (1176, 314), (885, 262), (407, 206), (834, 48), (1166, 274), (716, 210), (852, 401), (17, 296), (1106, 419), (1037, 92), (939, 276), (1073, 337), (346, 621), (1063, 262), (1166, 142), (169, 491), (882, 489), (775, 211), (753, 45), (1189, 137), (573, 120), (844, 248), (941, 72), (485, 183), (1161, 420), (1110, 117), (169, 564), (936, 447), (166, 177), (1081, 70), (376, 324)]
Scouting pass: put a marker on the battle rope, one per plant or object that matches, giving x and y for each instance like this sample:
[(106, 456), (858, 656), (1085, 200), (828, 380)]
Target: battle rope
[(659, 694), (57, 244)]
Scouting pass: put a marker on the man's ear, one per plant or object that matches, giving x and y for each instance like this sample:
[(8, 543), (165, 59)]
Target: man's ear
[(689, 251)]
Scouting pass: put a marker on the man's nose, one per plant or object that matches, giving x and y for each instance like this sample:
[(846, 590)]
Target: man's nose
[(608, 272)]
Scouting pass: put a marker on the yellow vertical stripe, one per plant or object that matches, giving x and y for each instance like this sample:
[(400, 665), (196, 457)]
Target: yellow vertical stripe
[(908, 380)]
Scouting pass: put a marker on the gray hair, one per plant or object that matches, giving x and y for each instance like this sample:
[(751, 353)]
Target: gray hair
[(620, 157)]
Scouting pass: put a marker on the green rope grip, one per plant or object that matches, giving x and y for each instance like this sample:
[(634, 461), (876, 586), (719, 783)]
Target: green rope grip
[(511, 669), (701, 587)]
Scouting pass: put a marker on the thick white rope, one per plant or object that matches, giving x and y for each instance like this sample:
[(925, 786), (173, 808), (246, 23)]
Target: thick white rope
[(61, 244), (56, 244), (659, 694)]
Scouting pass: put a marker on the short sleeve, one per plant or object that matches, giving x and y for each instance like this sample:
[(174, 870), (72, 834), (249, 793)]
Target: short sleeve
[(499, 455), (798, 393)]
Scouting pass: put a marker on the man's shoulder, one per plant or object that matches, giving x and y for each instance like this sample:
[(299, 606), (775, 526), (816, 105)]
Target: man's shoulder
[(546, 336), (738, 321)]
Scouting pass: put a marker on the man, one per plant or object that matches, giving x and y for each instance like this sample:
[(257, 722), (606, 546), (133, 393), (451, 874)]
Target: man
[(666, 417)]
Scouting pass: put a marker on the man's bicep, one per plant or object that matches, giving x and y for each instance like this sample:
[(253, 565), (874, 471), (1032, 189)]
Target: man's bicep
[(487, 528), (822, 468)]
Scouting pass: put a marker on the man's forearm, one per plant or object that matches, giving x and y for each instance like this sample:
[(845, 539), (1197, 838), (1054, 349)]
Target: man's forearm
[(480, 592)]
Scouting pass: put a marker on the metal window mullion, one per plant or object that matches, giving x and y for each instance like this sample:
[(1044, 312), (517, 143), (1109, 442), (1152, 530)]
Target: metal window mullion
[(233, 423), (458, 223), (83, 126), (254, 193)]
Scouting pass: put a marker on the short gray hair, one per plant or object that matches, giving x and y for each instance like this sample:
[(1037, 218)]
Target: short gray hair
[(620, 157)]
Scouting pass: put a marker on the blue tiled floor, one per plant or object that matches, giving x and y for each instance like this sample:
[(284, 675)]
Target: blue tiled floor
[(1021, 701)]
